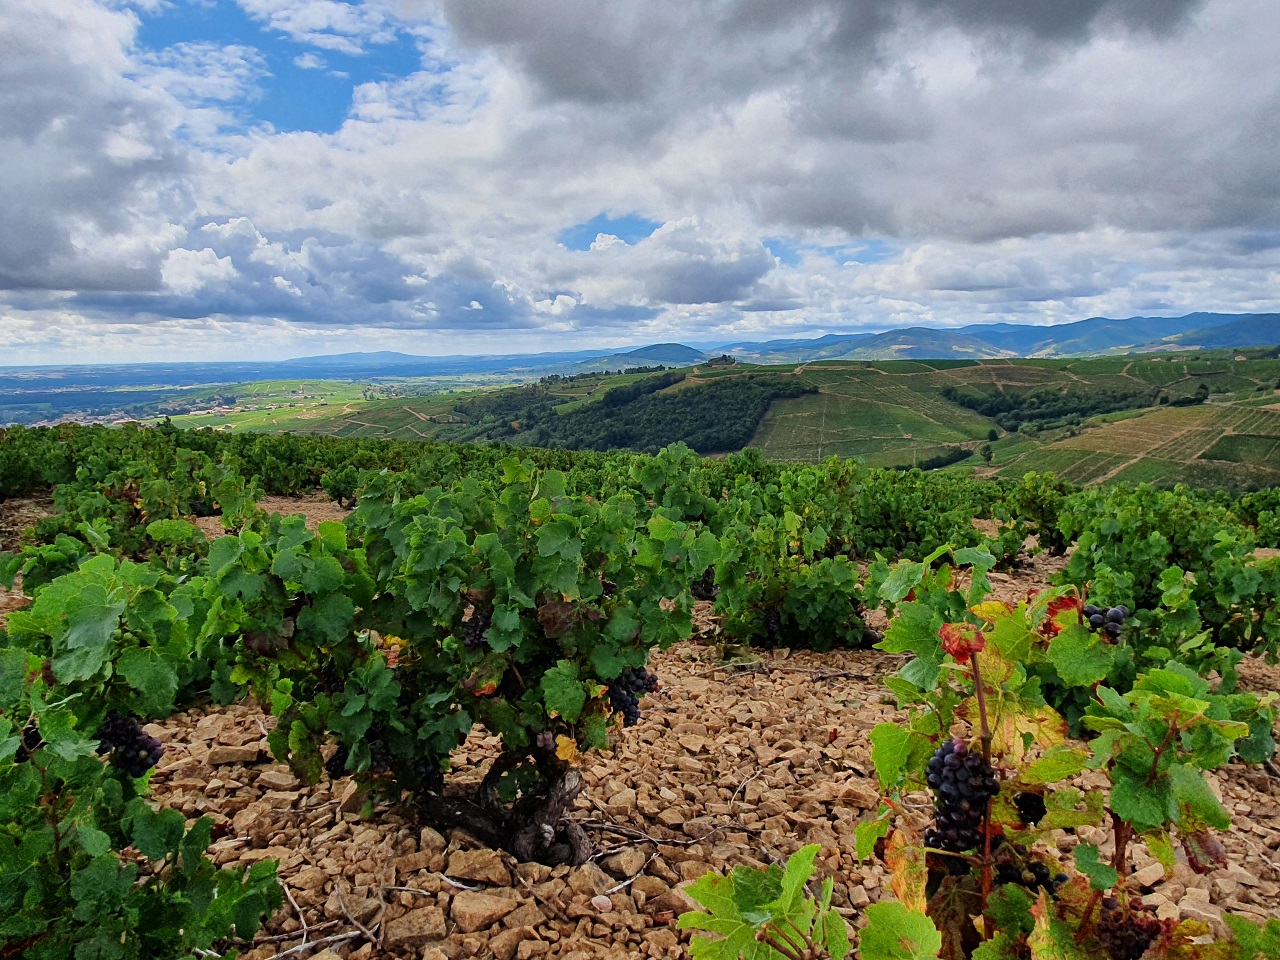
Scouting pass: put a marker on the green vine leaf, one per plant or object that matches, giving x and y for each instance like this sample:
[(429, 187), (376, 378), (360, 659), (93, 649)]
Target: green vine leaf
[(895, 933)]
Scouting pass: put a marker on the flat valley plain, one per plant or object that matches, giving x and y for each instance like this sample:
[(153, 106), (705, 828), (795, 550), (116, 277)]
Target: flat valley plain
[(887, 413)]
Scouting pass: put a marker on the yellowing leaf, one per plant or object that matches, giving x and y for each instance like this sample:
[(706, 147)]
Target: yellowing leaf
[(991, 611), (1051, 939), (906, 860), (567, 750), (1011, 720), (995, 667)]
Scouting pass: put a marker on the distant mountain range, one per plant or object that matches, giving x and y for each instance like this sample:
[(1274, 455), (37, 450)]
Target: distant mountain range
[(1098, 335)]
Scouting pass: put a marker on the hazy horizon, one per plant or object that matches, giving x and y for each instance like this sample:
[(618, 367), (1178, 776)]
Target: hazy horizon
[(220, 180)]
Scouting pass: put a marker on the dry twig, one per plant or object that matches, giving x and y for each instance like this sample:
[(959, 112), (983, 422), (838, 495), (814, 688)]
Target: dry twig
[(306, 931)]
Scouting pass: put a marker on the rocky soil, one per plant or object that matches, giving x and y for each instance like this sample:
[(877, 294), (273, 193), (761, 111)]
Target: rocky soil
[(726, 767), (729, 765)]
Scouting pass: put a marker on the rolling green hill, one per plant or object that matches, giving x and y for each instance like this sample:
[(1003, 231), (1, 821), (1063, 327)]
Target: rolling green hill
[(1205, 418)]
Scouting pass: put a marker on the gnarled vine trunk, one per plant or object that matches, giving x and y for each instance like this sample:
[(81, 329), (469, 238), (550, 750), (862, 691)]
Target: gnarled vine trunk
[(534, 827)]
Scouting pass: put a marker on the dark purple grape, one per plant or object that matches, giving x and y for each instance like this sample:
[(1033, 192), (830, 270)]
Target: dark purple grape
[(625, 693), (1030, 806), (132, 750), (1126, 931), (474, 629), (336, 765), (705, 587), (963, 784)]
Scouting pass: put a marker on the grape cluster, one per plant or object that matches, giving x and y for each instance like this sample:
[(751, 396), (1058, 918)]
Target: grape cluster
[(474, 629), (1108, 620), (773, 625), (132, 750), (379, 758), (423, 776), (31, 740), (1034, 875), (608, 588), (546, 741), (336, 765), (1030, 806), (705, 588), (329, 677), (1014, 864), (626, 691), (1126, 931), (962, 783)]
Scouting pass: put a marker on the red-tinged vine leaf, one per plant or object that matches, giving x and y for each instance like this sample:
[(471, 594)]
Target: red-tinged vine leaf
[(1062, 611), (1204, 851), (557, 618), (905, 859), (961, 640), (486, 677), (1051, 939)]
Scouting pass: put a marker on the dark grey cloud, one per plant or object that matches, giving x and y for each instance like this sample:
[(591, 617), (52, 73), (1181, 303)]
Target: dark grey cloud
[(1061, 20), (705, 50)]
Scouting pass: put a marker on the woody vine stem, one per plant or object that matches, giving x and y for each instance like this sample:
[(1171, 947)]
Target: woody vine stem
[(985, 735)]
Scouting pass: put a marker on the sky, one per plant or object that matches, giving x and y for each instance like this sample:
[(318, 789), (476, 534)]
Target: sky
[(261, 179)]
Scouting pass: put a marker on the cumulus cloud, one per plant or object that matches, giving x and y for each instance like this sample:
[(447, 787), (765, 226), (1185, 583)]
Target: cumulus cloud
[(329, 24), (992, 159), (93, 178)]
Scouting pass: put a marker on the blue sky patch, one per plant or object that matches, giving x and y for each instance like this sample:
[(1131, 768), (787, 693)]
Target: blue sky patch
[(294, 97), (785, 250), (629, 229), (862, 250)]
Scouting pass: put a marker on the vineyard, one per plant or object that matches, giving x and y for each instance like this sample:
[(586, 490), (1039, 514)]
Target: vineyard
[(310, 696), (1132, 419)]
